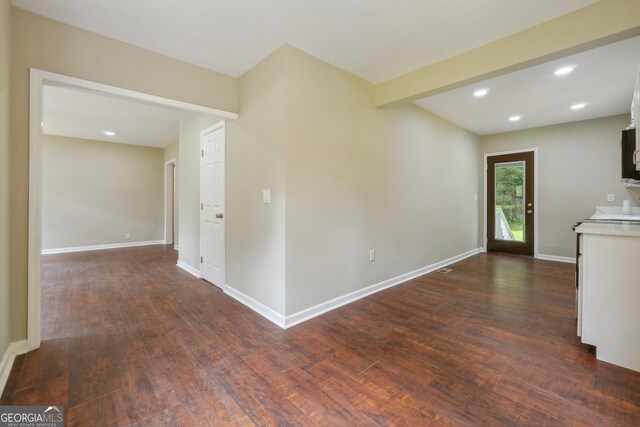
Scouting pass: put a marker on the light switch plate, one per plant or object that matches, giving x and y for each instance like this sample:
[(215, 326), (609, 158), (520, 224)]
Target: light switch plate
[(266, 196), (611, 197)]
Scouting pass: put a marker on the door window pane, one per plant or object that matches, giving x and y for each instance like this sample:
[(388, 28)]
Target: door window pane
[(510, 201)]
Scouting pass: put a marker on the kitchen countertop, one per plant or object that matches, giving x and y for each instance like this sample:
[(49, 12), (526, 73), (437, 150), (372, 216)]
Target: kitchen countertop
[(629, 228)]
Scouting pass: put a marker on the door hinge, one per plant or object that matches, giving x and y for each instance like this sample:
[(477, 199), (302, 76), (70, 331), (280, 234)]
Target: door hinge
[(202, 151), (201, 260), (201, 206)]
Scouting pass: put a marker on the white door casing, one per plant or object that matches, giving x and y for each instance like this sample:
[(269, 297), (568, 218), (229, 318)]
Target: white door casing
[(535, 195), (212, 197), (169, 199)]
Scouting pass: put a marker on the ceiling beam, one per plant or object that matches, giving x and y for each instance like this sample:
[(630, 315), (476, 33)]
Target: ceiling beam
[(601, 23)]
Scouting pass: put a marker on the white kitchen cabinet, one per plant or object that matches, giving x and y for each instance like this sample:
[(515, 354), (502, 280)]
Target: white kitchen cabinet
[(609, 292)]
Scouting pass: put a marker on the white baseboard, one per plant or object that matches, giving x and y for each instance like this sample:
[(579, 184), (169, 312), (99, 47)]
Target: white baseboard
[(309, 313), (186, 267), (176, 247), (569, 260), (101, 247), (16, 348), (256, 306), (306, 314)]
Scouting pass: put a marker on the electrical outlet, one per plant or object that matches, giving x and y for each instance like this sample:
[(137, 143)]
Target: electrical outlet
[(127, 236), (611, 197), (372, 255)]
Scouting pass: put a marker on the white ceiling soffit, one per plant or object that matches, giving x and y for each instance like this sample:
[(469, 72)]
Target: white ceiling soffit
[(603, 80), (374, 39), (85, 115)]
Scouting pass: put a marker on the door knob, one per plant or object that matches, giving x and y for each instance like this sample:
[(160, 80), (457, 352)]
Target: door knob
[(529, 204), (219, 215), (529, 211)]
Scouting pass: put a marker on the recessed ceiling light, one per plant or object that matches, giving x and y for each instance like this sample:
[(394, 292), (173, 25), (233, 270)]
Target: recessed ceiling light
[(563, 71), (109, 133), (579, 106), (514, 118), (480, 92)]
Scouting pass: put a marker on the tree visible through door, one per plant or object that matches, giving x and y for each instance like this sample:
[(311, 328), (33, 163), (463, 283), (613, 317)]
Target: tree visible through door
[(510, 204)]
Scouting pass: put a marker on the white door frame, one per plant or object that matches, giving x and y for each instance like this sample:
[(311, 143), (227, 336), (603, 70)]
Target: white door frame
[(213, 128), (169, 200), (535, 194), (38, 80)]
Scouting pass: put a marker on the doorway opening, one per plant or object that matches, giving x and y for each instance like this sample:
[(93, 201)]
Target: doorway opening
[(511, 202), (38, 81)]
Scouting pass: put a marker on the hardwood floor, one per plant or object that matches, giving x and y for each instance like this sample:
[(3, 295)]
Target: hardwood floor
[(130, 339)]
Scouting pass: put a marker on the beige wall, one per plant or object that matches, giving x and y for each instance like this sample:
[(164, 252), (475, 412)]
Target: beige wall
[(7, 314), (345, 178), (255, 161), (172, 152), (578, 164), (51, 46), (93, 192), (400, 181)]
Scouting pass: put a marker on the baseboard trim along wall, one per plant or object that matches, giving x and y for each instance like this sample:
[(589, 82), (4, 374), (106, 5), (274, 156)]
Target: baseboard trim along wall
[(186, 267), (309, 313), (101, 247), (16, 348), (256, 306), (569, 260)]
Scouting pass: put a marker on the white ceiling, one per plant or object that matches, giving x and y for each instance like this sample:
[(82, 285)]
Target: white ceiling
[(87, 115), (374, 39), (604, 79)]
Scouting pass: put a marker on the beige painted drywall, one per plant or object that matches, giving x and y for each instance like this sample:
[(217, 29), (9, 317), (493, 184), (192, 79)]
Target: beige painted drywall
[(399, 181), (93, 192), (52, 46), (255, 161), (578, 164), (345, 177), (7, 314), (172, 152), (595, 25)]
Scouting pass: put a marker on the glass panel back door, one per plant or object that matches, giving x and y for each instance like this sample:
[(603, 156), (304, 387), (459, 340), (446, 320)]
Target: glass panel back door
[(510, 199), (510, 203)]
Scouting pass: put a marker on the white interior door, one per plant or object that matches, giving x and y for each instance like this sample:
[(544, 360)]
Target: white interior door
[(212, 175)]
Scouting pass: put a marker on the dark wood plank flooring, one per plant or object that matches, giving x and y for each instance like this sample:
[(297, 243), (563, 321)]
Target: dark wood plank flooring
[(130, 339)]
